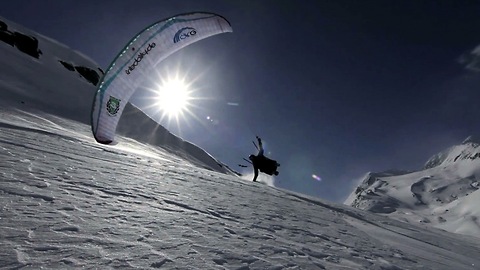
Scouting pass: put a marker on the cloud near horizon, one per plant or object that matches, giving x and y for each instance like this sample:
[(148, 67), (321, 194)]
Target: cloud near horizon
[(471, 60)]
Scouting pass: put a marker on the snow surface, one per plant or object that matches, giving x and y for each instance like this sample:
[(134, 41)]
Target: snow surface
[(68, 202)]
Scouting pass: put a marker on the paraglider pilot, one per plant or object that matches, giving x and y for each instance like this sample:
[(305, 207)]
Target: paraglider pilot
[(262, 163)]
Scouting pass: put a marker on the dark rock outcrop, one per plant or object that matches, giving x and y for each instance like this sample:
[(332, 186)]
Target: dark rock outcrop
[(89, 74), (24, 43)]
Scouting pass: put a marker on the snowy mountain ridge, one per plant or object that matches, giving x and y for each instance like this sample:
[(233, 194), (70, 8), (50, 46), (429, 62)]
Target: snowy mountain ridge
[(443, 194), (469, 149)]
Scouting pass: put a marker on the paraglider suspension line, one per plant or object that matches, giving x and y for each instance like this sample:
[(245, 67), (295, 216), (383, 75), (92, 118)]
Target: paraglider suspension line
[(255, 144), (247, 160)]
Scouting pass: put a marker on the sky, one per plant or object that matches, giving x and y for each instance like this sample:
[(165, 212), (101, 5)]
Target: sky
[(335, 88)]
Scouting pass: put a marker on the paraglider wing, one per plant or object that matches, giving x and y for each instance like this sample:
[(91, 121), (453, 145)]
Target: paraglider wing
[(137, 59)]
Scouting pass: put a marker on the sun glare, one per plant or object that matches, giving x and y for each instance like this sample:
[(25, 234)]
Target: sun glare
[(173, 97)]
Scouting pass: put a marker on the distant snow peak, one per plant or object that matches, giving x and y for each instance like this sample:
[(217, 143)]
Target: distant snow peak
[(445, 194), (371, 179), (468, 150), (437, 159), (372, 183), (472, 139)]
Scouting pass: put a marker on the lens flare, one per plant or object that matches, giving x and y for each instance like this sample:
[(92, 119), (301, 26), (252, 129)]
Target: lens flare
[(316, 177)]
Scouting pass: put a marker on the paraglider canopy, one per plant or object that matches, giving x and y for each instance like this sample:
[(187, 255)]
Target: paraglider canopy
[(138, 58)]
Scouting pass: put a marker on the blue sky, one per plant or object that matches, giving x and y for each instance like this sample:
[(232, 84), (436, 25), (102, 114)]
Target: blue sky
[(335, 88)]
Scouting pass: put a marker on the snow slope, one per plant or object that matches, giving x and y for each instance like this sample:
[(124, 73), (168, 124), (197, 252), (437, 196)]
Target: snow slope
[(68, 202), (444, 194)]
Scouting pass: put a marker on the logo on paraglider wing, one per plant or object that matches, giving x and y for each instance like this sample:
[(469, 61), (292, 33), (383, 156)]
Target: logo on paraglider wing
[(184, 33), (140, 57), (113, 105)]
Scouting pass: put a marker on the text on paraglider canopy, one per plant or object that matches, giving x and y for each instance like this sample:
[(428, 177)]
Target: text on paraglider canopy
[(140, 57)]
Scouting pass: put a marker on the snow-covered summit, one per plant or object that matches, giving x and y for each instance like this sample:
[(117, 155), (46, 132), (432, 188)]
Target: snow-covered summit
[(369, 182), (472, 139), (443, 194), (469, 149)]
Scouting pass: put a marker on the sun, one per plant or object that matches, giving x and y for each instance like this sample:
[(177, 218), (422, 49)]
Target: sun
[(173, 97)]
